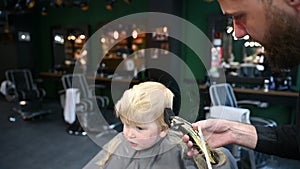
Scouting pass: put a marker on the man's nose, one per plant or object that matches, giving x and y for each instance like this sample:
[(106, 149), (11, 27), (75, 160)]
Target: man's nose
[(239, 29)]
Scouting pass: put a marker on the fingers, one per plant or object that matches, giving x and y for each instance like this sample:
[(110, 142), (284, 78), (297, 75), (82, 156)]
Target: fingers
[(195, 125), (185, 138), (190, 144), (192, 152)]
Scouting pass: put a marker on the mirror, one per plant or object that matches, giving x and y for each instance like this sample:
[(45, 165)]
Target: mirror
[(67, 42)]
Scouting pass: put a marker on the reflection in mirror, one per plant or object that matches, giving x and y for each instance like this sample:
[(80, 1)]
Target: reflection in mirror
[(237, 56), (122, 46), (242, 59), (221, 49), (67, 42)]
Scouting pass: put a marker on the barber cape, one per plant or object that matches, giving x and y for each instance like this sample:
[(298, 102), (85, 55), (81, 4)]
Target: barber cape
[(169, 152)]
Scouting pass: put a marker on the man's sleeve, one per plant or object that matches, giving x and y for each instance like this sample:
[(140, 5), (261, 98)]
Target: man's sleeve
[(281, 141)]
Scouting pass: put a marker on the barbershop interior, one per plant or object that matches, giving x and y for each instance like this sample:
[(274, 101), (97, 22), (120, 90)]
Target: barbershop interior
[(66, 63)]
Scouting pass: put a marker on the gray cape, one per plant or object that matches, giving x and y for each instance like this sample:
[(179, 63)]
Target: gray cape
[(169, 152)]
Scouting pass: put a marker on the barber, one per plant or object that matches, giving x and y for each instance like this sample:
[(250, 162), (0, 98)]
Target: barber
[(276, 25)]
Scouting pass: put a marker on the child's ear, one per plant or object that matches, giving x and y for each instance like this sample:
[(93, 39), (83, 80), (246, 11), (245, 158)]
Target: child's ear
[(163, 132)]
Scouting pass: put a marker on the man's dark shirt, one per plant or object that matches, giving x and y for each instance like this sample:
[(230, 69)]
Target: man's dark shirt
[(283, 141)]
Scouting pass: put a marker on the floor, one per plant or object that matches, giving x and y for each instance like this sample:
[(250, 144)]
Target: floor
[(44, 143), (41, 143)]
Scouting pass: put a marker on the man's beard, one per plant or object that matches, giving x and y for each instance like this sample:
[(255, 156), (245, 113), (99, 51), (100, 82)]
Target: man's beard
[(282, 41)]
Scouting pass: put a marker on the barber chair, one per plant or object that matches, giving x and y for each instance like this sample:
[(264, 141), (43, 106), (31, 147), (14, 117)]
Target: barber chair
[(239, 115), (78, 98), (225, 106), (25, 92), (157, 75)]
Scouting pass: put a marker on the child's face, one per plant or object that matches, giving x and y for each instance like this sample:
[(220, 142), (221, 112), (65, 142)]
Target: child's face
[(143, 136)]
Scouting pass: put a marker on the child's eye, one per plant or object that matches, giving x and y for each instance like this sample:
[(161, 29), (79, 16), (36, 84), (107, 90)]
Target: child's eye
[(139, 128)]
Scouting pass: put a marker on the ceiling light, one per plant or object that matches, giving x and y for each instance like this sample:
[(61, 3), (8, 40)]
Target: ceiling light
[(30, 3), (59, 39), (109, 4), (229, 29), (116, 35), (44, 11), (84, 5), (24, 36), (102, 40), (71, 37), (260, 67), (127, 1), (82, 36), (59, 2), (246, 37), (18, 6), (134, 34), (165, 29)]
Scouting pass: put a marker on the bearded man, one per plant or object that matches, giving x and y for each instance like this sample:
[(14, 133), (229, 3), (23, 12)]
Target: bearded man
[(276, 25)]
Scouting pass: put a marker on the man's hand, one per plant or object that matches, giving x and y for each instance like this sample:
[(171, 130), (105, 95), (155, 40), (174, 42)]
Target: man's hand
[(219, 132), (215, 131)]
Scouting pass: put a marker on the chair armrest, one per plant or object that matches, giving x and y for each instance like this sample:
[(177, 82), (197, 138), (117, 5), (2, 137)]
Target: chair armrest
[(253, 102), (62, 97), (42, 92), (99, 86), (263, 122), (38, 80), (96, 86), (61, 92), (85, 104), (37, 83), (102, 100), (230, 113)]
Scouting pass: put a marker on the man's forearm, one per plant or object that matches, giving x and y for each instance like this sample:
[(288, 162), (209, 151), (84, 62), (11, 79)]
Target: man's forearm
[(243, 134)]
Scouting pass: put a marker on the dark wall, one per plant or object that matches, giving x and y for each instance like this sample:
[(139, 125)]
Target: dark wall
[(8, 53), (26, 53), (17, 54)]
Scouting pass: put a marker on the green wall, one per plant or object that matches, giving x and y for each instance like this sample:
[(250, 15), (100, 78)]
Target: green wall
[(198, 12)]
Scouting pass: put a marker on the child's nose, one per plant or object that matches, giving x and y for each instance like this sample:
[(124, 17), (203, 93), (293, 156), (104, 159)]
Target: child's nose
[(129, 132)]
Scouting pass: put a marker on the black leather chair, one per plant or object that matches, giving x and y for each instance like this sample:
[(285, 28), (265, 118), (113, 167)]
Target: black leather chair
[(26, 93)]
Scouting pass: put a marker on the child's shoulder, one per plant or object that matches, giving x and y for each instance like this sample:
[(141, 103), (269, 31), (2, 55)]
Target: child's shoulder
[(114, 142)]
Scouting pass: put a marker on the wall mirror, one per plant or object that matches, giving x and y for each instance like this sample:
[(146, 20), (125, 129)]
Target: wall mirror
[(233, 54), (67, 42)]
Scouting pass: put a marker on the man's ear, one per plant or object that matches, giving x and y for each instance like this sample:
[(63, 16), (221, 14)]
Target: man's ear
[(294, 3)]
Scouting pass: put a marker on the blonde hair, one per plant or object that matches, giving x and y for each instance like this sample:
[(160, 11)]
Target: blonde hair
[(144, 103)]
